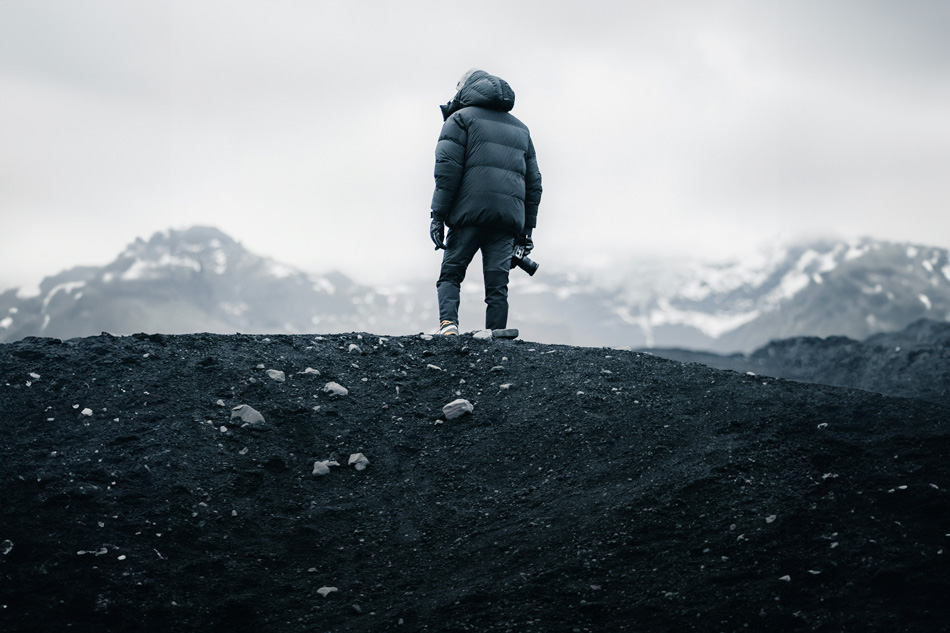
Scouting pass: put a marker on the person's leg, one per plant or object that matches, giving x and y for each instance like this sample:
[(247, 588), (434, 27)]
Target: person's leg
[(460, 247), (496, 263)]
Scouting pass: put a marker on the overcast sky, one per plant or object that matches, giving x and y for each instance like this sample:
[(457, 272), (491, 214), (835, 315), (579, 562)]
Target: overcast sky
[(306, 129)]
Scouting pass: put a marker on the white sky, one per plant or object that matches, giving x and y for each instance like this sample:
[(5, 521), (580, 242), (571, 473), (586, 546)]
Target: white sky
[(306, 129)]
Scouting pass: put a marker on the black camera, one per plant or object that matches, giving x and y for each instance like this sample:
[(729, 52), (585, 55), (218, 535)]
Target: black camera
[(519, 259)]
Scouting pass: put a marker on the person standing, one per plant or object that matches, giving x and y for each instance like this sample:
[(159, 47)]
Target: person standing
[(487, 192)]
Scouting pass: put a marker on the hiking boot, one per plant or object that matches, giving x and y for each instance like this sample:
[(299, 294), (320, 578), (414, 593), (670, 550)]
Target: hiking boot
[(449, 328)]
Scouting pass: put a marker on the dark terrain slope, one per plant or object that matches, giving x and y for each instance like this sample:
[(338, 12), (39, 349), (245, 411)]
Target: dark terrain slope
[(599, 490), (911, 363)]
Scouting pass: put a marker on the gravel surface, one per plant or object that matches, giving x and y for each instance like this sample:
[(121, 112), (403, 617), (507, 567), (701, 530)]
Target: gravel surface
[(588, 489)]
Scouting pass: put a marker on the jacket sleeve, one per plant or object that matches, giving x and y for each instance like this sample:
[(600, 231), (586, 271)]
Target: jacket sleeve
[(449, 165), (532, 180)]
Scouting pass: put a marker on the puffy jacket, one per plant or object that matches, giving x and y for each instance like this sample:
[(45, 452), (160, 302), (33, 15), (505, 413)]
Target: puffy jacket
[(486, 171)]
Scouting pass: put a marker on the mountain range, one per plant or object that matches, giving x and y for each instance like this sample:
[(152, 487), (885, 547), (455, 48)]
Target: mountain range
[(202, 280), (911, 363)]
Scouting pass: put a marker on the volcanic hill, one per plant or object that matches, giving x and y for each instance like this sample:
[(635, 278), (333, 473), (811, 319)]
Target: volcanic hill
[(590, 489)]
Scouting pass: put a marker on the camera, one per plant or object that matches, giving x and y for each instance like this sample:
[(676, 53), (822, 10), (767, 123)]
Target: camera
[(519, 259)]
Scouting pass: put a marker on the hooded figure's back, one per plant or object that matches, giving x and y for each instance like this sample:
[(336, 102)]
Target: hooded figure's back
[(486, 170)]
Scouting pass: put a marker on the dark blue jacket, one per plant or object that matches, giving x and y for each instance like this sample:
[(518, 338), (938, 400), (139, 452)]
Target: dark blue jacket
[(486, 172)]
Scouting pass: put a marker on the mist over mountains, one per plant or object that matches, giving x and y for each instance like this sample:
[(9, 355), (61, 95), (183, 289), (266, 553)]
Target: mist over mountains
[(201, 280)]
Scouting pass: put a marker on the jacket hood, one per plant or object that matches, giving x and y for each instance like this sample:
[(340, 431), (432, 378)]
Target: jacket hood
[(482, 90)]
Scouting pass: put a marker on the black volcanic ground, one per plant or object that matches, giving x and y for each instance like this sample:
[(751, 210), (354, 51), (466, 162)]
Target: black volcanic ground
[(600, 490)]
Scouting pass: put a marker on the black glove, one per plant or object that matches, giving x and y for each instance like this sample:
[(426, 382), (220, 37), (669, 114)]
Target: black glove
[(527, 243), (437, 233)]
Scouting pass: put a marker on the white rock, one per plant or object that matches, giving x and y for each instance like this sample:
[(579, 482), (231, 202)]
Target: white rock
[(323, 467), (220, 402), (248, 415), (34, 375), (312, 371), (86, 412), (325, 591), (354, 349), (358, 461), (276, 374), (425, 337), (786, 578), (505, 387), (435, 367), (457, 408), (335, 389), (770, 518), (482, 335)]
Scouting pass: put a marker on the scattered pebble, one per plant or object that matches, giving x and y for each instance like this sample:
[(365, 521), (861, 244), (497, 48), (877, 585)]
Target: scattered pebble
[(6, 547), (312, 371), (482, 335), (358, 461), (276, 374), (786, 578), (323, 467), (435, 367), (86, 412), (220, 403), (457, 408), (770, 518), (248, 415), (354, 349), (99, 552), (325, 591), (335, 389)]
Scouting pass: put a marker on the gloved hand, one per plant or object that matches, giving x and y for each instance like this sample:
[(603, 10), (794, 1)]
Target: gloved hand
[(437, 233), (527, 242)]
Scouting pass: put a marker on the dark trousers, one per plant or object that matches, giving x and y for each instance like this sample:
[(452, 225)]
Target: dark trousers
[(461, 245)]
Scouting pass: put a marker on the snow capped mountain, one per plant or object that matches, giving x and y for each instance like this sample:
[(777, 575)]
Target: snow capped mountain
[(202, 280), (196, 280), (853, 289)]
